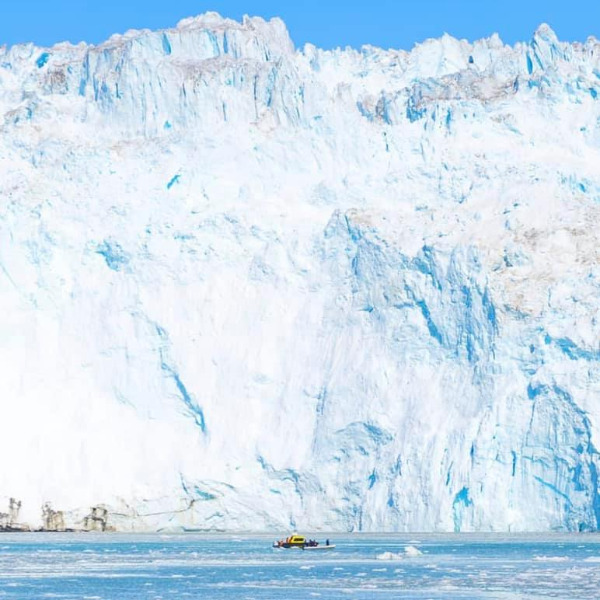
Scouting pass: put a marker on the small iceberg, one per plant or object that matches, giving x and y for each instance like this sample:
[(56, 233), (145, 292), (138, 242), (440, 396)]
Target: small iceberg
[(409, 552), (412, 551)]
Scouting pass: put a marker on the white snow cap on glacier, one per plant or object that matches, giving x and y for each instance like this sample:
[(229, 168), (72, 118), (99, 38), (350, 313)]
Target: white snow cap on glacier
[(245, 286)]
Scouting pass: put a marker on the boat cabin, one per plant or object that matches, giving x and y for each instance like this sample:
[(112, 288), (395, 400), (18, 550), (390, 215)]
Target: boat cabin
[(296, 540)]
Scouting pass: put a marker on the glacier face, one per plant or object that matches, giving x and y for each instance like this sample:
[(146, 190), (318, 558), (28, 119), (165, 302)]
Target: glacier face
[(249, 287)]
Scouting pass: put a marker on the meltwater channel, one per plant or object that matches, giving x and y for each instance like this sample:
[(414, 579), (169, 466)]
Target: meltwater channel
[(436, 566)]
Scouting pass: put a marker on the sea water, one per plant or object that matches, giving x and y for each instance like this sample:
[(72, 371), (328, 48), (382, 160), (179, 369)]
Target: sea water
[(153, 567)]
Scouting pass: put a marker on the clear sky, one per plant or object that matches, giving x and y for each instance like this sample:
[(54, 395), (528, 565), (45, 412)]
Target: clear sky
[(325, 23)]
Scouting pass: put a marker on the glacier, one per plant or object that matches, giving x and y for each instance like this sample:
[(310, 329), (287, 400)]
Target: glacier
[(246, 286)]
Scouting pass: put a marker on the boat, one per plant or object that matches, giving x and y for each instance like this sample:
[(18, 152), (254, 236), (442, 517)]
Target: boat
[(294, 541), (299, 541)]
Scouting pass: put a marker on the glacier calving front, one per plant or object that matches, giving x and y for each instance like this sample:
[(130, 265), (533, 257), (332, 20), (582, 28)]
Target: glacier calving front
[(249, 287)]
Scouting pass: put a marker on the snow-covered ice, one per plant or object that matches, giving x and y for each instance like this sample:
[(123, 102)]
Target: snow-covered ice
[(246, 286)]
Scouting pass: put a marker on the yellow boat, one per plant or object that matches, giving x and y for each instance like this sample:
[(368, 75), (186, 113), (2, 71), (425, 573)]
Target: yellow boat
[(294, 541), (299, 541)]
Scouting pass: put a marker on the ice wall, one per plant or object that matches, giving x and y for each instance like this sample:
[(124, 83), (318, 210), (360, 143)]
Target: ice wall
[(245, 286)]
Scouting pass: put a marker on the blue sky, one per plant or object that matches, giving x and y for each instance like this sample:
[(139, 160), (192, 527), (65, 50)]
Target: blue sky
[(326, 23)]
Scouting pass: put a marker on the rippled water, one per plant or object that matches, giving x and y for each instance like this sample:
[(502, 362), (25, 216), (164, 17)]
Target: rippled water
[(122, 567)]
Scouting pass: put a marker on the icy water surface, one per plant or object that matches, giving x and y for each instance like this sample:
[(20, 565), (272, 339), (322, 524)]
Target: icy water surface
[(152, 567)]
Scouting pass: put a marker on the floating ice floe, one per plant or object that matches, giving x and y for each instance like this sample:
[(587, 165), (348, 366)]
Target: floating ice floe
[(412, 551), (390, 556), (409, 552)]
